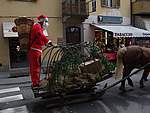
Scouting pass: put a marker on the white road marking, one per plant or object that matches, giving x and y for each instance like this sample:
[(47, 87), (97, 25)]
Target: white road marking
[(11, 98), (22, 109), (9, 90)]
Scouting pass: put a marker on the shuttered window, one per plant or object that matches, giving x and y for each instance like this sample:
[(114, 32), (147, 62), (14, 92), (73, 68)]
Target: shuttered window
[(110, 3), (93, 5)]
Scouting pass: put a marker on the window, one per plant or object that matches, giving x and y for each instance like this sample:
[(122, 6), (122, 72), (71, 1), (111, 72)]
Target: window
[(110, 3), (93, 5)]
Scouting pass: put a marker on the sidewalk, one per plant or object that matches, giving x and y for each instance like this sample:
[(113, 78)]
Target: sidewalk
[(6, 79), (4, 75)]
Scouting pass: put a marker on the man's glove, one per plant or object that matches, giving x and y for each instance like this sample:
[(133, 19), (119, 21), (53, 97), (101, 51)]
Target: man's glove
[(51, 44), (54, 45)]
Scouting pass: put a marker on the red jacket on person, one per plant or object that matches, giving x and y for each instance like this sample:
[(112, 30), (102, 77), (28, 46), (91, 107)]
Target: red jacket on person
[(37, 38), (36, 41)]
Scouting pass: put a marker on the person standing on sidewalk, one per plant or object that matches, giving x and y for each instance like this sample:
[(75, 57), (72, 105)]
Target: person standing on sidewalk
[(36, 41)]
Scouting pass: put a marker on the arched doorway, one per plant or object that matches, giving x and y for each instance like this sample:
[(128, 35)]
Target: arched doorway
[(73, 35)]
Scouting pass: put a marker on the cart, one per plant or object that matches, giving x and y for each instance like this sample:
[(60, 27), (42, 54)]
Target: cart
[(73, 72)]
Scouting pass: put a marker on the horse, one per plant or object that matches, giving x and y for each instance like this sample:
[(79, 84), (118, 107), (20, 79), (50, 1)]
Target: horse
[(129, 58)]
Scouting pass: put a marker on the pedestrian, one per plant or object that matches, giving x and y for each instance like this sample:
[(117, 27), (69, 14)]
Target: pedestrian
[(36, 41), (121, 44)]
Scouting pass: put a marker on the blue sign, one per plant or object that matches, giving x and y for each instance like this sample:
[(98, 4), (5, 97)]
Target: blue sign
[(110, 19)]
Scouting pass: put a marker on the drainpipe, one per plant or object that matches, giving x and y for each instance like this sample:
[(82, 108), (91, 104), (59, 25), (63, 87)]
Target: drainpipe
[(131, 17)]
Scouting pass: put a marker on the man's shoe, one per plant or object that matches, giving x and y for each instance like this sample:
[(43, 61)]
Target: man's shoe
[(42, 88), (35, 90)]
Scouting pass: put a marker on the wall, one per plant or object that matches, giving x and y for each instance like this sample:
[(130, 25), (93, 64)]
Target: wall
[(123, 11), (141, 7)]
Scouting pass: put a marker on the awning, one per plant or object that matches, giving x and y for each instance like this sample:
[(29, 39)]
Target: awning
[(124, 31), (7, 30)]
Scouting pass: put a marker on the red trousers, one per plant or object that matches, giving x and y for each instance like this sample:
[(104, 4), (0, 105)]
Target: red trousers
[(34, 58)]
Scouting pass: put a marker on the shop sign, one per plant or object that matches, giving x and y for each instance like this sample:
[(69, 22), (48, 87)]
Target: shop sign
[(146, 34), (8, 31), (110, 19), (123, 34)]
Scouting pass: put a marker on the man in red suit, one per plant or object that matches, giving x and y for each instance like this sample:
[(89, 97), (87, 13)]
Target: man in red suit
[(36, 41)]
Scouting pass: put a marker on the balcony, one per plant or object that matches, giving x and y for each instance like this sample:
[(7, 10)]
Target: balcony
[(141, 7), (75, 9)]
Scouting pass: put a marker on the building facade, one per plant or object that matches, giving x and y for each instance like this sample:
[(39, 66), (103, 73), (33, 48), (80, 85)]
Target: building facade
[(65, 25), (74, 12), (117, 10), (109, 20), (11, 9), (141, 14)]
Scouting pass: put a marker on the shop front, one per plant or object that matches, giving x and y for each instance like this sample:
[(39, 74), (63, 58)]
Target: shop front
[(111, 37)]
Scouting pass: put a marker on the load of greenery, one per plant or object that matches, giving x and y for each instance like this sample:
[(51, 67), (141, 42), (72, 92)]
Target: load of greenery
[(73, 67)]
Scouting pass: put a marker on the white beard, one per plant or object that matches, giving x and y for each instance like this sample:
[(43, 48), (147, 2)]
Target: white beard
[(45, 25)]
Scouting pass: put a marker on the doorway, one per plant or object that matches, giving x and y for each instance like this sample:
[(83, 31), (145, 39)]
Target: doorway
[(18, 59), (73, 35)]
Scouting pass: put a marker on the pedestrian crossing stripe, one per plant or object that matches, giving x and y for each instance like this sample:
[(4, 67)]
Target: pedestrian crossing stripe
[(21, 109), (9, 90), (11, 98)]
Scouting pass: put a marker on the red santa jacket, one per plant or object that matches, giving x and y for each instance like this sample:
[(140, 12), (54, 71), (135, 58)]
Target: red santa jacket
[(37, 38)]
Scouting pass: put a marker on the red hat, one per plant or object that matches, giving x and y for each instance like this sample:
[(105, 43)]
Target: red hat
[(42, 18)]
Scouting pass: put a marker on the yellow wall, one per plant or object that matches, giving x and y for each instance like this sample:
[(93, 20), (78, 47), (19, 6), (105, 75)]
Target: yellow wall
[(140, 7), (124, 9), (9, 8)]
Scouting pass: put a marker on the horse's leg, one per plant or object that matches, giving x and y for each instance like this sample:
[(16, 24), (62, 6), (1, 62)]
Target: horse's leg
[(122, 87), (129, 79), (130, 82), (144, 77), (145, 74), (126, 72)]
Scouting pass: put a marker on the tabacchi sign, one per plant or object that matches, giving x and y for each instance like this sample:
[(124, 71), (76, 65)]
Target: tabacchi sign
[(123, 34), (146, 34)]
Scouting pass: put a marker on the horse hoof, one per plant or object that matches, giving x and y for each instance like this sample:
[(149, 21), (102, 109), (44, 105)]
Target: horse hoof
[(122, 89), (131, 84), (145, 79), (142, 86)]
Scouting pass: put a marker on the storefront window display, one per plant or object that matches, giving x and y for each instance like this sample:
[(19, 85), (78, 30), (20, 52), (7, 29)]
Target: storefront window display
[(109, 44), (145, 42)]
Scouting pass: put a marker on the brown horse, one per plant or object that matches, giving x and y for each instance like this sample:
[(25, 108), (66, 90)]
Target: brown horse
[(129, 58)]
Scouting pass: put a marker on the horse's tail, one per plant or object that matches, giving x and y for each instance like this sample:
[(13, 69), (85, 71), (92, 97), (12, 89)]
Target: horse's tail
[(119, 69)]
